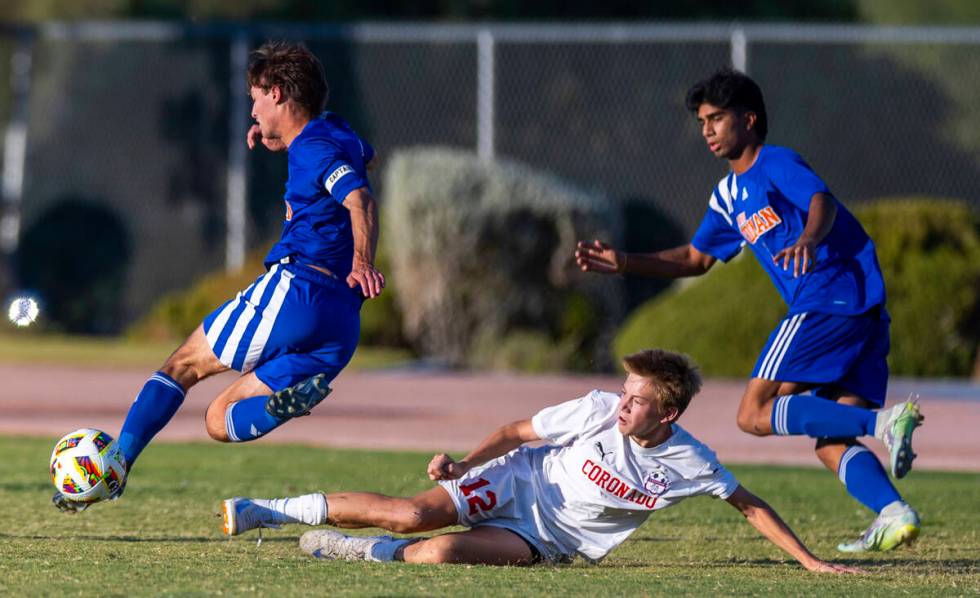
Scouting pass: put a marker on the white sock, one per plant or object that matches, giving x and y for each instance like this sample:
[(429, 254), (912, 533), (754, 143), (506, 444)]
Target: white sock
[(310, 509), (385, 548), (895, 508)]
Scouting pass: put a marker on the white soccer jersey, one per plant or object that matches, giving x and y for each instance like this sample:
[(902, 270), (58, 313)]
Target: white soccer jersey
[(589, 493)]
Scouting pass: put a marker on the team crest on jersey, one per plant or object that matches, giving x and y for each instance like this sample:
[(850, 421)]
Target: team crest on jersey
[(657, 482), (754, 226)]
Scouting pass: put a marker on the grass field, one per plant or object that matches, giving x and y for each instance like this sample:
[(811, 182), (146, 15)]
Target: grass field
[(114, 352), (163, 536)]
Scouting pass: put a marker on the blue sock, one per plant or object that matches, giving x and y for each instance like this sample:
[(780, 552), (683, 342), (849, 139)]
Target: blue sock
[(794, 415), (247, 419), (154, 406), (865, 478)]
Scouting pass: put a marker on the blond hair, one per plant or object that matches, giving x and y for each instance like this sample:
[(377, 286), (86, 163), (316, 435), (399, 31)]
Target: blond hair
[(674, 377)]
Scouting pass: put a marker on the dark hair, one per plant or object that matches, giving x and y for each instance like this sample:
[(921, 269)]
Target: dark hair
[(674, 377), (729, 88), (292, 68)]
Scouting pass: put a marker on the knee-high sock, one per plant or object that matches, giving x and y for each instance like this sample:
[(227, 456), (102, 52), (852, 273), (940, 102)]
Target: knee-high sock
[(820, 418), (310, 509), (154, 406), (865, 478), (247, 419)]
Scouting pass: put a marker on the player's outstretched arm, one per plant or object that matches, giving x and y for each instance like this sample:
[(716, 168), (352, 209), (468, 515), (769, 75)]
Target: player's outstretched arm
[(364, 222), (770, 525), (670, 263), (501, 442)]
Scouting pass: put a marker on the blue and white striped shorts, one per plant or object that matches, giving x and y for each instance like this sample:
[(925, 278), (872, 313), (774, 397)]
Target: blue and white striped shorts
[(832, 352), (293, 322)]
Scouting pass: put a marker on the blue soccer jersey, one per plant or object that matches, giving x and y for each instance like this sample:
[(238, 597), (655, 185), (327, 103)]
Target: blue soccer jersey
[(327, 160), (767, 208)]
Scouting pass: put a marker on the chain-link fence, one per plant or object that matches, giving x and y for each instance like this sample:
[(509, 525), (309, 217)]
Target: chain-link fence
[(121, 138)]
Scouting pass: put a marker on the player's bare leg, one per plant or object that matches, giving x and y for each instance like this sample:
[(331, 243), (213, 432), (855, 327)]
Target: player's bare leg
[(246, 386), (193, 361), (429, 510), (830, 450), (479, 546), (755, 410)]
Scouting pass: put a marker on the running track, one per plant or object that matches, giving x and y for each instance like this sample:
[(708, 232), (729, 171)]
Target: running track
[(405, 409)]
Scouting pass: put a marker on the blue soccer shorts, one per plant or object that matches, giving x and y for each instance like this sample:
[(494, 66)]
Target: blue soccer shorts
[(834, 353), (292, 323)]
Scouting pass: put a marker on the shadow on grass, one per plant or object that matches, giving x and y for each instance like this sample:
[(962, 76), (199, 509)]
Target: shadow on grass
[(143, 539)]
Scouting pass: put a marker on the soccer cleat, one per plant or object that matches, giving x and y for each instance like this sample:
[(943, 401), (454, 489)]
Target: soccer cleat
[(65, 505), (298, 399), (894, 428), (241, 514), (887, 531), (330, 545)]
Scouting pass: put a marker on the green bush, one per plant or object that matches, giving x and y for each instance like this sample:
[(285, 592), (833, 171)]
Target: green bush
[(929, 250), (485, 256)]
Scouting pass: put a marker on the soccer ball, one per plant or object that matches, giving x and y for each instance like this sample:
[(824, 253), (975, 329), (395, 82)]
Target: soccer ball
[(87, 466)]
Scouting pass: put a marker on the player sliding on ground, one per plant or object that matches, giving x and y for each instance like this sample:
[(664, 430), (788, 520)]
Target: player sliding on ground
[(293, 330), (613, 460), (835, 338)]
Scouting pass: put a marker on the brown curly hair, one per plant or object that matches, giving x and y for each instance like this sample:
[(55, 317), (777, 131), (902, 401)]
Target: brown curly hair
[(674, 377), (294, 70)]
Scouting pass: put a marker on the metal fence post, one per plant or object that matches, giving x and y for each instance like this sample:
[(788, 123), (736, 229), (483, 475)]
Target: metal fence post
[(237, 158), (15, 143), (484, 94), (740, 50)]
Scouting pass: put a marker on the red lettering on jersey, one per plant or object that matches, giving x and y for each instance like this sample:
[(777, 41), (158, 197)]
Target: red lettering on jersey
[(477, 502), (608, 482)]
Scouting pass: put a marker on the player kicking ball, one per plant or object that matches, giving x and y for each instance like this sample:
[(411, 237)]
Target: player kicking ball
[(835, 338), (293, 330), (613, 460)]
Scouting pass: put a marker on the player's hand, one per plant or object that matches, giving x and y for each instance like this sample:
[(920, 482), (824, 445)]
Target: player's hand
[(802, 253), (599, 257), (819, 566), (444, 467), (367, 277), (254, 137)]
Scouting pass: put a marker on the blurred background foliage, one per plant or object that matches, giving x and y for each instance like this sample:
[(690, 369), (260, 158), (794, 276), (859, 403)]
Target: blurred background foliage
[(856, 11)]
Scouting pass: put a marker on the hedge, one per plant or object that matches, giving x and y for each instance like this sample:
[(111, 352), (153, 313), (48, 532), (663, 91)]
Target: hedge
[(482, 253)]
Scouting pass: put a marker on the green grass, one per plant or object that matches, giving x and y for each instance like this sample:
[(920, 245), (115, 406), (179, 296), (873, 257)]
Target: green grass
[(83, 351), (163, 536)]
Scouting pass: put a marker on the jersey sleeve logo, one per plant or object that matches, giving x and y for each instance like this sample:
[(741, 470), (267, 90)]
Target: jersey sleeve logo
[(289, 211), (336, 175)]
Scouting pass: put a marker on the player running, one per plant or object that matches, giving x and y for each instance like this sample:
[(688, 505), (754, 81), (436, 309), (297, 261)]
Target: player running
[(614, 460), (293, 330), (835, 337)]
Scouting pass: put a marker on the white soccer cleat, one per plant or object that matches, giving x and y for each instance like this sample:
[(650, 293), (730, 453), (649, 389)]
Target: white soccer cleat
[(331, 545), (894, 428), (895, 526), (241, 514)]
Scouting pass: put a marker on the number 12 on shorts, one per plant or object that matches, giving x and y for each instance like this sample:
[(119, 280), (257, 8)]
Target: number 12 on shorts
[(476, 501)]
